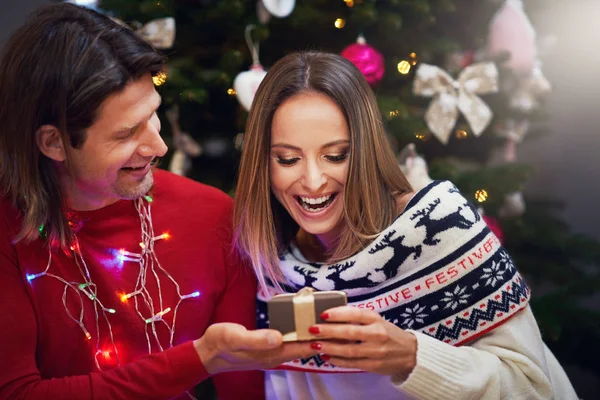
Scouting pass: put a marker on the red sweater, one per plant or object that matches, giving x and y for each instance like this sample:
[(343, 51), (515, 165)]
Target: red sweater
[(44, 354)]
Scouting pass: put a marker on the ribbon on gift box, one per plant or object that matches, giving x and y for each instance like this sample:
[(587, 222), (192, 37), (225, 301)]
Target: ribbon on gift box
[(304, 315)]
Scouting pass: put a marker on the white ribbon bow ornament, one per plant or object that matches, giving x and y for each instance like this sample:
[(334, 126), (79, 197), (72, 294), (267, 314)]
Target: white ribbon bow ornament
[(450, 96)]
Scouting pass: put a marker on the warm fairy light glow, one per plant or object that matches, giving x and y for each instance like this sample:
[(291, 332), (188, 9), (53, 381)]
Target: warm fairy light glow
[(165, 236), (461, 134), (394, 113), (124, 297), (159, 78), (340, 23), (404, 67), (231, 92), (349, 3), (413, 58), (422, 136), (481, 195)]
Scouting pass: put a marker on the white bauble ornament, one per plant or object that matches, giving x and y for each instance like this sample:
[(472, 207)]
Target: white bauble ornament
[(279, 8), (246, 83), (414, 167), (514, 205)]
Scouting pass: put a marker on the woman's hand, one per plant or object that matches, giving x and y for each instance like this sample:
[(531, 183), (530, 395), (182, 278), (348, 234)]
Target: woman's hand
[(231, 347), (365, 341)]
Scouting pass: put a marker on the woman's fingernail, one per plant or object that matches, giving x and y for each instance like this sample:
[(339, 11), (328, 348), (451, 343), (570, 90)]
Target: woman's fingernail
[(324, 315), (316, 346), (324, 357), (314, 330)]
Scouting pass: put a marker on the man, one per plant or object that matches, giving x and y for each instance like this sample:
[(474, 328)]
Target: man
[(110, 271)]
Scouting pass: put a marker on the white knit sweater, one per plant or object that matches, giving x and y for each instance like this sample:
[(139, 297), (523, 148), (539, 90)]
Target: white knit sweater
[(439, 273)]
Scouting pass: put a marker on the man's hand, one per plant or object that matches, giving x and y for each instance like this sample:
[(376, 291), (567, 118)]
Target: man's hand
[(231, 347)]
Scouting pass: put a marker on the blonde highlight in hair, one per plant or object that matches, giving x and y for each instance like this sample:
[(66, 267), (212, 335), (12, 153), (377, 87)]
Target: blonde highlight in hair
[(263, 228)]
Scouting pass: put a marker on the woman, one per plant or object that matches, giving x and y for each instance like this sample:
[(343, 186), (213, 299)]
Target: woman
[(437, 309)]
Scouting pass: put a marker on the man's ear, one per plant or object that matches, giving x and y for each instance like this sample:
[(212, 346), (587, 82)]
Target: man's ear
[(50, 142)]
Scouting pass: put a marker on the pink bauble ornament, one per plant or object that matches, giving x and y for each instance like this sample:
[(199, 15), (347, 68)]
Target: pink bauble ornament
[(494, 226), (511, 31), (368, 60)]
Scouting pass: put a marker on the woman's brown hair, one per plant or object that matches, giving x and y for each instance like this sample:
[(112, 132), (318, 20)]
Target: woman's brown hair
[(56, 70), (263, 228)]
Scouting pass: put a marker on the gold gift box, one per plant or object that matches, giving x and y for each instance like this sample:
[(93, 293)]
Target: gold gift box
[(292, 314)]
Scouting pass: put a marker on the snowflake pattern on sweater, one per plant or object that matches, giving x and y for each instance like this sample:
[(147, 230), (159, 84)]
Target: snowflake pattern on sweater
[(437, 269)]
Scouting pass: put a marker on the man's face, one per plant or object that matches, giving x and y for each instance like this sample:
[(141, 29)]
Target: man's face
[(115, 160)]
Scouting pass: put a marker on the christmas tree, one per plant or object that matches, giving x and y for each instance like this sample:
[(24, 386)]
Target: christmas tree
[(419, 56)]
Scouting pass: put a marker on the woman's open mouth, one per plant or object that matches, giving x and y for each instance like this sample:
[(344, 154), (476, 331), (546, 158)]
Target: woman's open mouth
[(314, 205)]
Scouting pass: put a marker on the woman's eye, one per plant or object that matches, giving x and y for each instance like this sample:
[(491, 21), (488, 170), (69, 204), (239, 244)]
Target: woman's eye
[(337, 158), (287, 161)]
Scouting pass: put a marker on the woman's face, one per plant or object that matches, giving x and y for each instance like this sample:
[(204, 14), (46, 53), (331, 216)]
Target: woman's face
[(310, 148)]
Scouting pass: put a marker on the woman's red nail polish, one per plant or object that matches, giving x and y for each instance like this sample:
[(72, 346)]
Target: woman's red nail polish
[(325, 357), (314, 330), (316, 346), (324, 315)]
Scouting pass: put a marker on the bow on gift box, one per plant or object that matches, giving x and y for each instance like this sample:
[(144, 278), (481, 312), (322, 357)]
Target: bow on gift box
[(450, 96)]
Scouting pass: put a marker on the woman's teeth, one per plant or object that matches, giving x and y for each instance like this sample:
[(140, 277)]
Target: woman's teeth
[(315, 205)]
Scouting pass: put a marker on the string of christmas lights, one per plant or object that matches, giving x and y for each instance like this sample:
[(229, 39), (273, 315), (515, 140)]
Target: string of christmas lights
[(148, 263)]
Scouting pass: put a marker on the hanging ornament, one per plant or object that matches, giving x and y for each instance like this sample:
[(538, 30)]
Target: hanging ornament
[(160, 33), (414, 167), (367, 59), (451, 96), (511, 32), (278, 8), (529, 91), (513, 206), (246, 83), (186, 147), (93, 4), (513, 129)]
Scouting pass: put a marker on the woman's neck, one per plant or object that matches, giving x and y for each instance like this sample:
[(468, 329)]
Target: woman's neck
[(311, 247)]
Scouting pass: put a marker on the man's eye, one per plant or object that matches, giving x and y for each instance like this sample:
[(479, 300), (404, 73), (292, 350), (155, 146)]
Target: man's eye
[(287, 161), (126, 134)]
